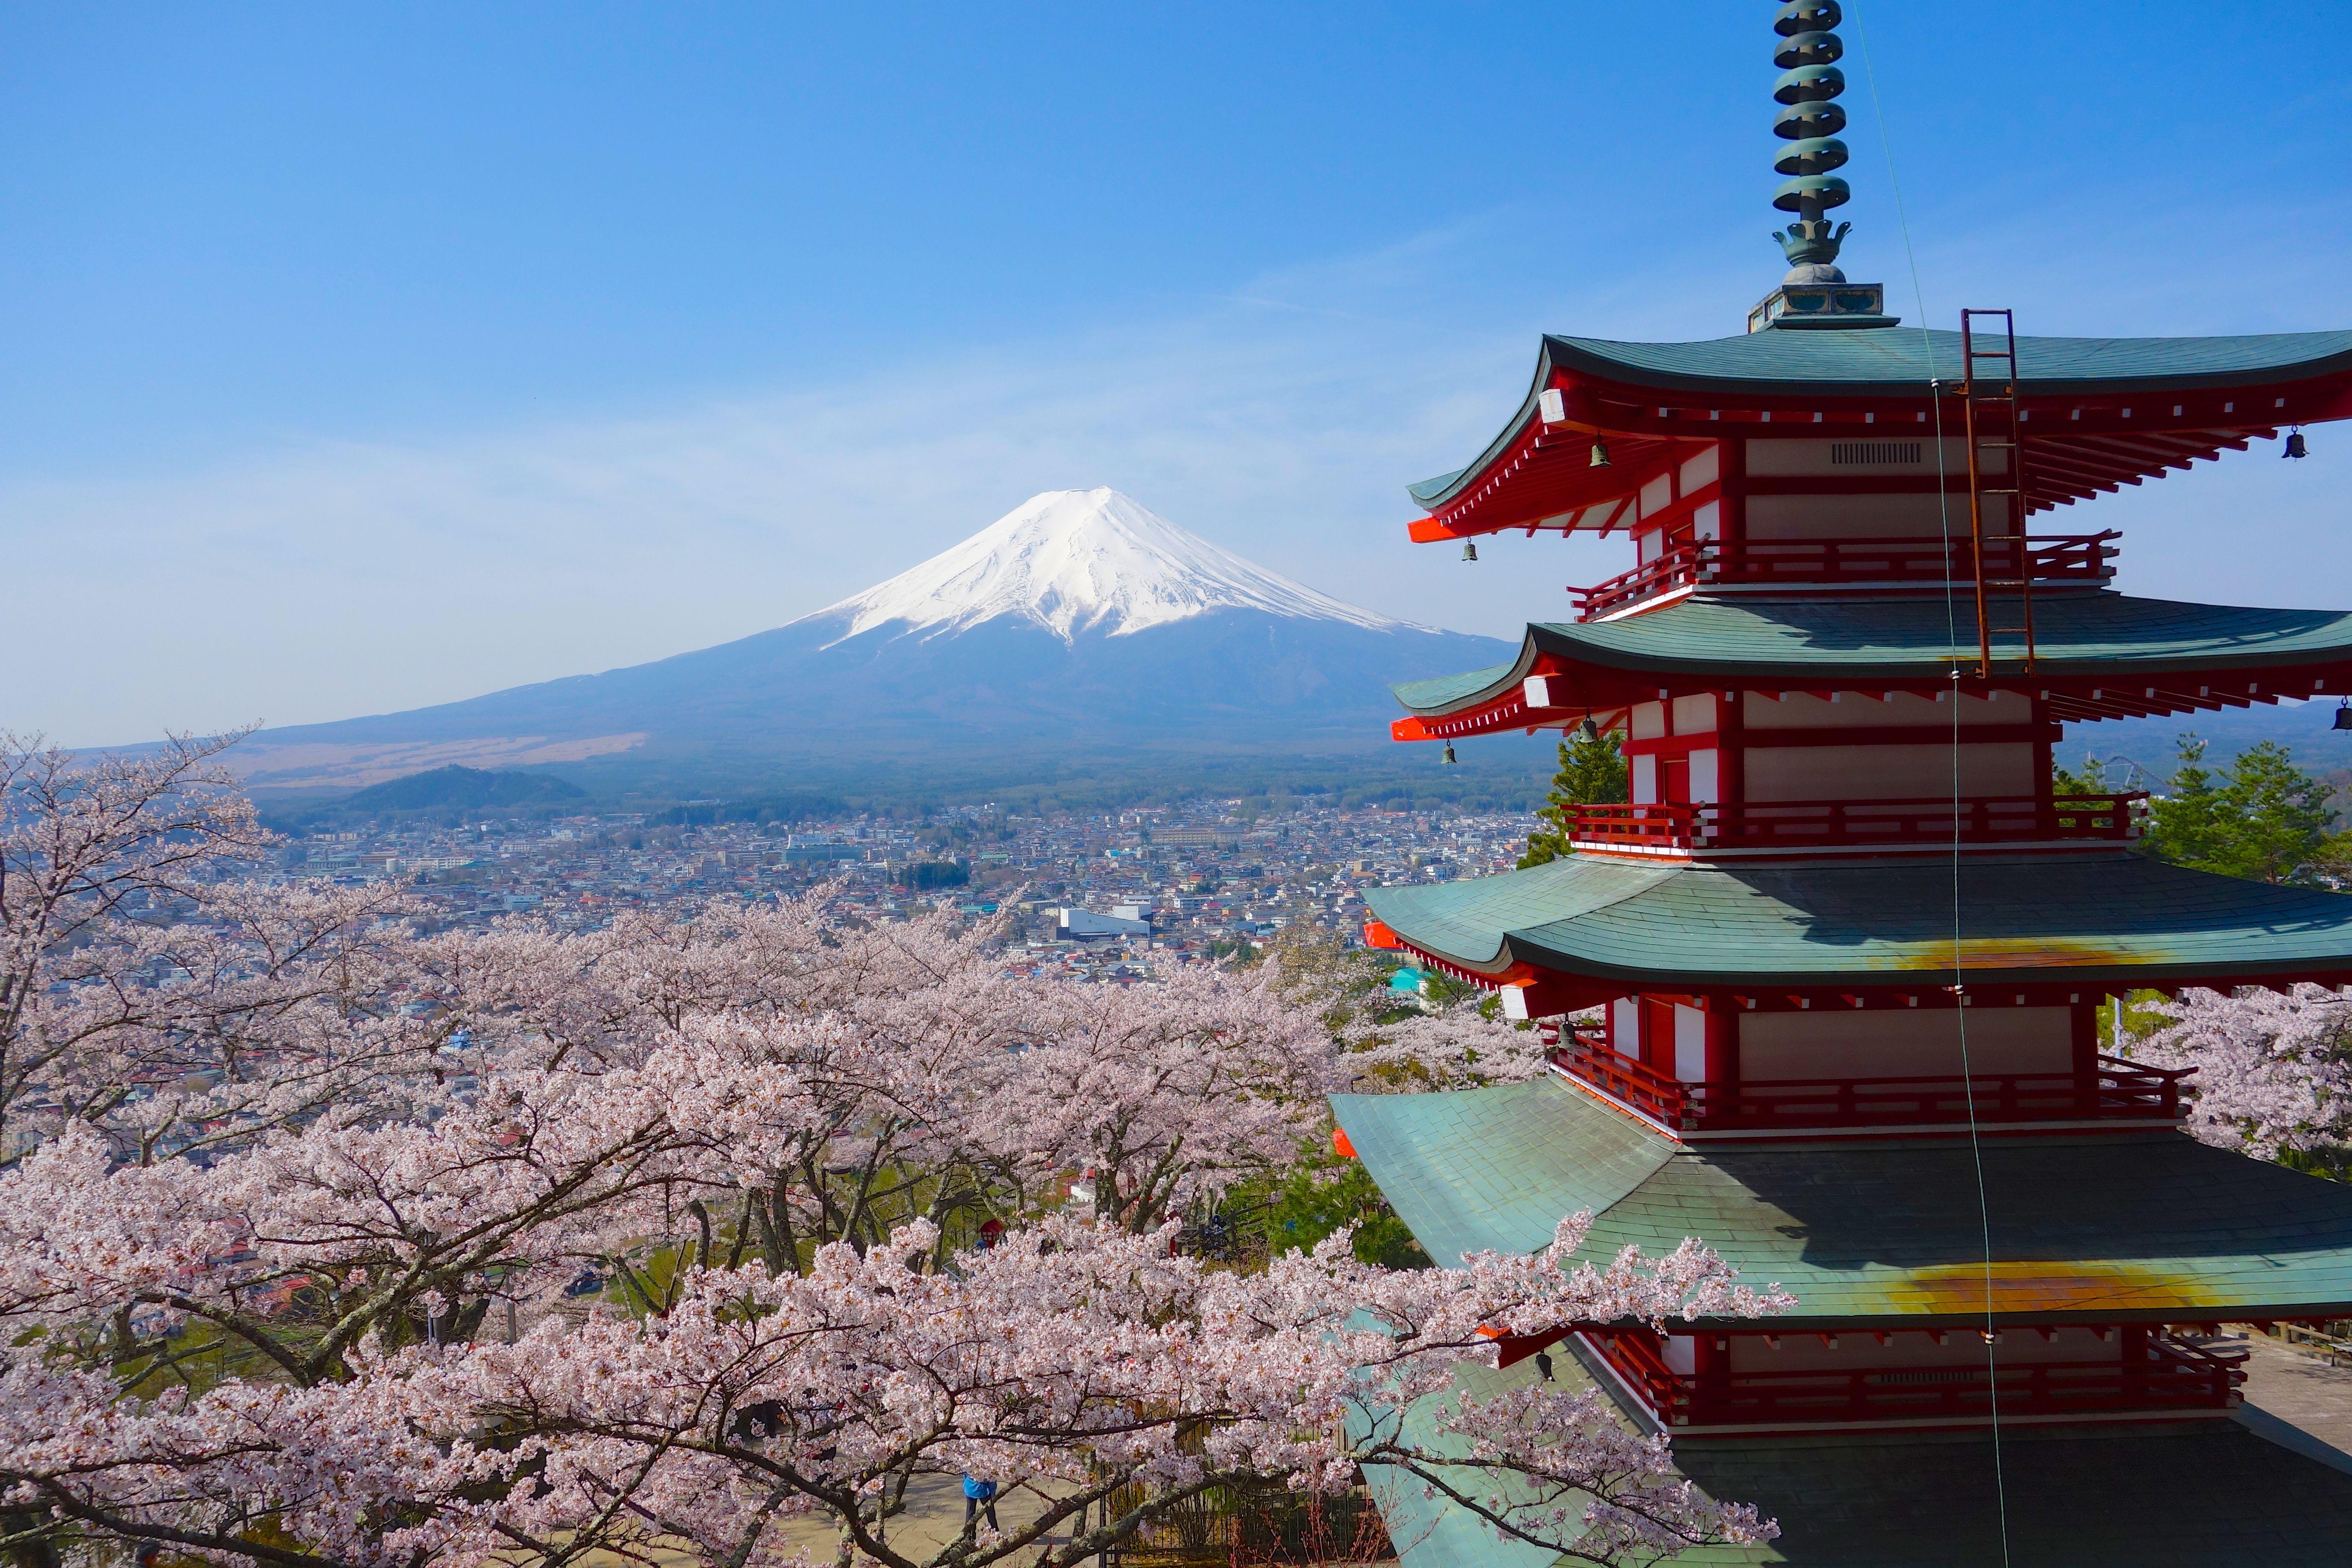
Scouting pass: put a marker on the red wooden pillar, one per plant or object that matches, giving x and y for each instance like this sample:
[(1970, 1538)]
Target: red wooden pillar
[(2085, 1018), (1733, 466), (1730, 755), (1658, 1034), (1722, 1042), (1710, 1375), (2046, 734)]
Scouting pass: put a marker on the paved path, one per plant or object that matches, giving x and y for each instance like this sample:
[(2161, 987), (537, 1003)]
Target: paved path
[(2301, 1390), (934, 1517)]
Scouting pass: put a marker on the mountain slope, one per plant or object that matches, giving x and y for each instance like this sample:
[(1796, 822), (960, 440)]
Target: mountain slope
[(466, 787), (1080, 621), (1076, 560)]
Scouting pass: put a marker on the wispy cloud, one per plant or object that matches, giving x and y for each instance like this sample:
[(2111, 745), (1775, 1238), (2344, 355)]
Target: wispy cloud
[(322, 579)]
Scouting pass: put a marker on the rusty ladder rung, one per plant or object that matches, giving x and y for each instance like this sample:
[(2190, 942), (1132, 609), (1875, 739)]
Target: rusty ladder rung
[(1979, 395)]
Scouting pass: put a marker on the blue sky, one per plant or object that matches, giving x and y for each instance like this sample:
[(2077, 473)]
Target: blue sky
[(361, 357)]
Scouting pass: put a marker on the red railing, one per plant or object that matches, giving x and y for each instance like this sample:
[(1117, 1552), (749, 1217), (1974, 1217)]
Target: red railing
[(2115, 1089), (2085, 559), (2155, 1371), (1582, 1052), (1663, 826), (1809, 823)]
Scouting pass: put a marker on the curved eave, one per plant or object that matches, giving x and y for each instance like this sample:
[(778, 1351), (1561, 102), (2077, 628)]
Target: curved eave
[(2135, 1228), (1602, 927), (1883, 362), (1652, 401), (2097, 655)]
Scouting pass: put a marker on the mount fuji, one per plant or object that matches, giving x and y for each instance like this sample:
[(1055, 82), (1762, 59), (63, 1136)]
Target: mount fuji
[(1079, 624)]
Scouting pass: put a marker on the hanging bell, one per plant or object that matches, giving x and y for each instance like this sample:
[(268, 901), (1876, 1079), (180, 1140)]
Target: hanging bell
[(1600, 455), (1588, 732), (2344, 714), (2296, 448), (1447, 760), (1469, 550)]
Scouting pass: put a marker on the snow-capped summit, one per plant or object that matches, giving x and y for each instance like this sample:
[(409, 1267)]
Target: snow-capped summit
[(1083, 561)]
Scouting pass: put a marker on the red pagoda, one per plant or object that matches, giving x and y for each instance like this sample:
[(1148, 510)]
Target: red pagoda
[(1849, 946)]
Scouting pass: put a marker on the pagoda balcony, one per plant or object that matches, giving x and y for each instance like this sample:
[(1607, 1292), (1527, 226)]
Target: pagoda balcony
[(2115, 1090), (2157, 1373), (1667, 827), (2081, 561)]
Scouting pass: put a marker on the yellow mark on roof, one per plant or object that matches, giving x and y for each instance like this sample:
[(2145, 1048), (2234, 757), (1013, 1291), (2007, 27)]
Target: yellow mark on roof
[(2057, 1285), (2027, 952)]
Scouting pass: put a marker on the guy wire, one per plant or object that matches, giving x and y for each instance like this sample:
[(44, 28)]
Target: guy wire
[(1952, 636)]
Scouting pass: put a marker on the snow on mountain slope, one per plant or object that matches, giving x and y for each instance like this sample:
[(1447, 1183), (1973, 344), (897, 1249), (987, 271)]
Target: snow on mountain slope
[(1080, 560)]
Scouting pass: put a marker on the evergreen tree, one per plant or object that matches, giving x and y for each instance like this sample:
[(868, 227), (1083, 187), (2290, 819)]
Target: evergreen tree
[(1591, 773), (2265, 819), (2092, 780)]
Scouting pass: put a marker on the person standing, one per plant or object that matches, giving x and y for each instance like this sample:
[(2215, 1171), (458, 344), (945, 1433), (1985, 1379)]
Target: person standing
[(980, 1496)]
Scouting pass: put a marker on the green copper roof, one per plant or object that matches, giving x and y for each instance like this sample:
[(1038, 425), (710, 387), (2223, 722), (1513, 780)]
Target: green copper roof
[(1862, 362), (1885, 362), (1758, 640), (1445, 693), (2113, 1228), (2099, 919), (2242, 1492), (2205, 1494), (1435, 1531)]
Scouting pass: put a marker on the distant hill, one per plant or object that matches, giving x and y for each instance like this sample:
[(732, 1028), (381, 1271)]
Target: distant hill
[(463, 786), (1080, 637), (2306, 728), (454, 788)]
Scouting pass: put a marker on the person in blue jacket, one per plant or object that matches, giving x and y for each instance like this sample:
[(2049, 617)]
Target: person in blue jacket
[(980, 1496)]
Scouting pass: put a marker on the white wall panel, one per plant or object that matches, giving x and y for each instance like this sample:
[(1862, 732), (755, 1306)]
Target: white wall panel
[(1625, 1027), (1855, 711), (1825, 1042), (1776, 457), (1866, 517), (1706, 777), (1703, 469), (1886, 772), (1690, 1044)]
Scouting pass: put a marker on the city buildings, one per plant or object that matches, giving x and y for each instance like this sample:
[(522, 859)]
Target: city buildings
[(1198, 880)]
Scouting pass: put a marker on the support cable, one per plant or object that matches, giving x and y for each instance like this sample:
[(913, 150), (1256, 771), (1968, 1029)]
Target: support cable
[(1951, 631)]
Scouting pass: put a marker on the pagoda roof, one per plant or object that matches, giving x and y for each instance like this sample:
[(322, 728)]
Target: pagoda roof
[(2110, 1229), (2086, 919), (2106, 406), (2243, 1491), (2114, 645)]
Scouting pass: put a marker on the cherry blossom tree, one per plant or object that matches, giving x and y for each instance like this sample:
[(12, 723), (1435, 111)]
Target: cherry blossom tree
[(1164, 1094), (330, 1243), (2274, 1071), (147, 987), (1451, 1046), (1115, 1379), (1392, 1042)]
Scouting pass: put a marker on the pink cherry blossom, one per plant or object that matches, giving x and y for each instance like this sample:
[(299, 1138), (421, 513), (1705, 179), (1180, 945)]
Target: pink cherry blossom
[(2271, 1068), (325, 1242)]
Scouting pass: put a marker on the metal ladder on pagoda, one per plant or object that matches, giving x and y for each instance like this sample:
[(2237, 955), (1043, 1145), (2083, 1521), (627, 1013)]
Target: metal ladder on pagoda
[(1995, 426)]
